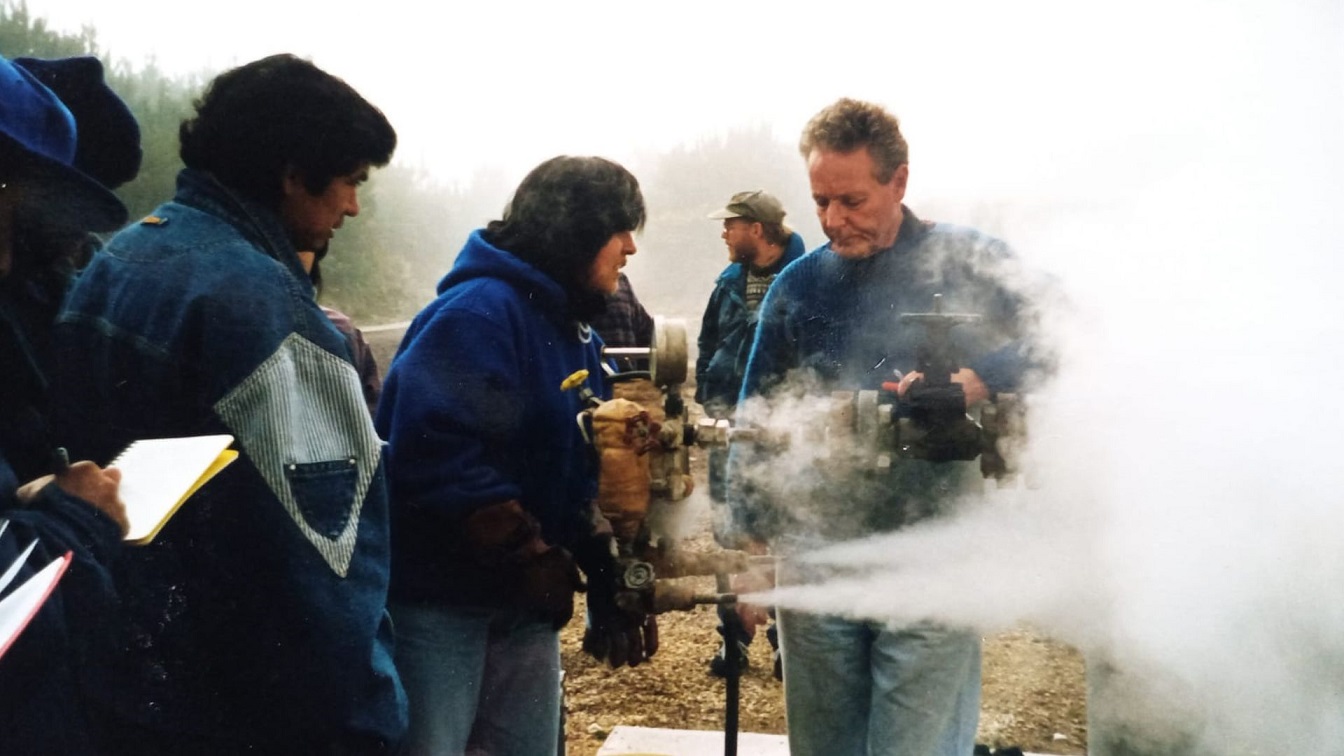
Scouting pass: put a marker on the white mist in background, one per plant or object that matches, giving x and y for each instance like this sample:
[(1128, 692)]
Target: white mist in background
[(1189, 525)]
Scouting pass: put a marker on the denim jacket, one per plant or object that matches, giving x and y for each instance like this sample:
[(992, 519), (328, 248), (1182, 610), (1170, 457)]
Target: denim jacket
[(256, 617), (726, 333)]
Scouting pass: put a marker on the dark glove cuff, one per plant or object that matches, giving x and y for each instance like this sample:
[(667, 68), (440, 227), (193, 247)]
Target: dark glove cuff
[(596, 556), (503, 532)]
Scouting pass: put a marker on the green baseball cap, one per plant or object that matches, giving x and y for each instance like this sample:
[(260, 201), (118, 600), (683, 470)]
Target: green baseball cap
[(757, 205)]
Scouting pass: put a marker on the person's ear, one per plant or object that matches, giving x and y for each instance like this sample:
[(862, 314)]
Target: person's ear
[(291, 182), (900, 178)]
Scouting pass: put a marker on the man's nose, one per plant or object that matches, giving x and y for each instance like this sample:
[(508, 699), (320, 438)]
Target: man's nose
[(833, 215)]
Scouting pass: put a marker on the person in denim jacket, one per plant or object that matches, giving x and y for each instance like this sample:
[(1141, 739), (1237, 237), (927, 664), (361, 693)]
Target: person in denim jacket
[(831, 322), (255, 622)]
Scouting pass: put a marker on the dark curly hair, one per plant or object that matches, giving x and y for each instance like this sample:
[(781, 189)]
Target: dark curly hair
[(562, 214), (255, 120)]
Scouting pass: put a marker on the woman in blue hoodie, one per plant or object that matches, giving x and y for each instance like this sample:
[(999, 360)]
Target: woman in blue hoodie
[(492, 481)]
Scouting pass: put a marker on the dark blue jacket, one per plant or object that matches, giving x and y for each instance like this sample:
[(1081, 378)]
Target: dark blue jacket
[(42, 703), (473, 413), (256, 619), (726, 331), (829, 323)]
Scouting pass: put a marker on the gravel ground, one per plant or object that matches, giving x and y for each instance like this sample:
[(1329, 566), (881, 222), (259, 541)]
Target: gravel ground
[(1033, 688)]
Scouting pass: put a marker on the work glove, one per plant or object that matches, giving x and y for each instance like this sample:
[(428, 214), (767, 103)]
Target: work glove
[(549, 580), (619, 632), (538, 578)]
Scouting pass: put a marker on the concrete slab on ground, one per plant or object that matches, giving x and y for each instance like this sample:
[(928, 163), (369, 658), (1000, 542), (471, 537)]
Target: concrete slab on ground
[(657, 741)]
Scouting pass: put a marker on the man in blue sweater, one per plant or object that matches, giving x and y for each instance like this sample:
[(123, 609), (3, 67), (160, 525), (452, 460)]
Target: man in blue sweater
[(831, 322)]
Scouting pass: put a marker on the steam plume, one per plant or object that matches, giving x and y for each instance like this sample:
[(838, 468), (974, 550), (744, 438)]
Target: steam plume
[(1188, 524)]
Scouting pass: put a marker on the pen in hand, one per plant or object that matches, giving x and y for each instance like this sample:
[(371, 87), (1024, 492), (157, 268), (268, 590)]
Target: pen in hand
[(97, 486), (60, 460), (58, 464)]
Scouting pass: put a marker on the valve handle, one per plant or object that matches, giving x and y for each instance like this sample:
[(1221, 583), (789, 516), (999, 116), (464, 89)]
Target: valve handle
[(575, 380)]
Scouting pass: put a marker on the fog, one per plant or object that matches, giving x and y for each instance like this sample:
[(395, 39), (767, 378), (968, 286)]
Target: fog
[(1174, 166), (1187, 520)]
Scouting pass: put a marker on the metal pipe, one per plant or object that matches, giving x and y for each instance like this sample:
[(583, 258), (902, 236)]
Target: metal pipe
[(670, 597)]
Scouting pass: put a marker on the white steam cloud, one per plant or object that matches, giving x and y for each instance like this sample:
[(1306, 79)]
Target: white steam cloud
[(1189, 525)]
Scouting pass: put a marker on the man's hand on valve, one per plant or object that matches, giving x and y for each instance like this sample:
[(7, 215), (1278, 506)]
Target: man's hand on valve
[(752, 615), (971, 385)]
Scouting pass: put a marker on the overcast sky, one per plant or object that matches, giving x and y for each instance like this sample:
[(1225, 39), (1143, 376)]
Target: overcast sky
[(997, 98), (1204, 130), (1193, 136)]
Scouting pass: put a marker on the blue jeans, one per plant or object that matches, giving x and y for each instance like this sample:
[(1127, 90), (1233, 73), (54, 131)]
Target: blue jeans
[(855, 688), (478, 681)]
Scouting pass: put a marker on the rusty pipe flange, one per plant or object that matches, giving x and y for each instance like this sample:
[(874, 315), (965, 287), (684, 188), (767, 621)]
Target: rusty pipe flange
[(637, 576)]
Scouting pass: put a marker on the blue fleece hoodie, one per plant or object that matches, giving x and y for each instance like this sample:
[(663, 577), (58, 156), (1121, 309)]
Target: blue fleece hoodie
[(473, 414)]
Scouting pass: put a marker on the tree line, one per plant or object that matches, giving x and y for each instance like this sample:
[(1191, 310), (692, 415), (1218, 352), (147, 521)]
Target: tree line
[(383, 265)]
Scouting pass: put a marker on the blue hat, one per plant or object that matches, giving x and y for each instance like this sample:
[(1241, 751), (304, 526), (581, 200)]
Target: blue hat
[(33, 120), (108, 148)]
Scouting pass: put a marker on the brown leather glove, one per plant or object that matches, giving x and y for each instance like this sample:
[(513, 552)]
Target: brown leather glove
[(537, 577), (549, 581), (617, 632)]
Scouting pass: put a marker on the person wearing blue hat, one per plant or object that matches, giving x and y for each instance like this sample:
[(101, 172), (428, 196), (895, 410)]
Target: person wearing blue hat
[(48, 205), (57, 164), (255, 622), (108, 149)]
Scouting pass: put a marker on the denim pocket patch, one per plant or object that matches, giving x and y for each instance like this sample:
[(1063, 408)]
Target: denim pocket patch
[(324, 493)]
